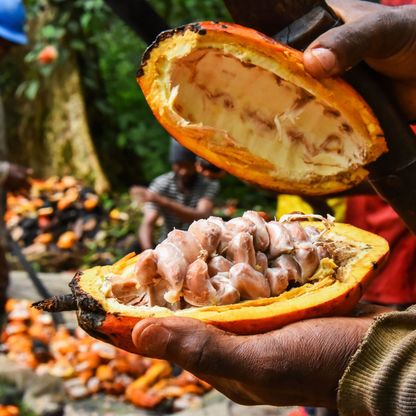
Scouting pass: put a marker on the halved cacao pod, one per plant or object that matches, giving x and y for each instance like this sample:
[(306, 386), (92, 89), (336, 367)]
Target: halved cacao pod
[(107, 319), (244, 102)]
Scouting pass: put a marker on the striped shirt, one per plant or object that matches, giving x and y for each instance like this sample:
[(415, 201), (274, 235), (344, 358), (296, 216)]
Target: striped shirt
[(166, 186)]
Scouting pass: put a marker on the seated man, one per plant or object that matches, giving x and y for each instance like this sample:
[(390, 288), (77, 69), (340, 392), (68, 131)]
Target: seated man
[(179, 197)]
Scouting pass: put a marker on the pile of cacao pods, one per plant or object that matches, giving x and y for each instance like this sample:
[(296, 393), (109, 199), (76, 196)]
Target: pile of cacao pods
[(58, 219), (220, 263), (88, 366), (9, 410)]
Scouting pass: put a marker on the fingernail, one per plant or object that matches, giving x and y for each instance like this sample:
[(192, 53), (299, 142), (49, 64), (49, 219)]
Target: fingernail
[(152, 341), (326, 59)]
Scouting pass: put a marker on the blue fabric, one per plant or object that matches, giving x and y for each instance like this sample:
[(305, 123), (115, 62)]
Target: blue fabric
[(12, 21)]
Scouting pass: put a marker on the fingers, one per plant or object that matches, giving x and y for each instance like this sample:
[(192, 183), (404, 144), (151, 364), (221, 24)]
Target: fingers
[(196, 347), (377, 35), (350, 10)]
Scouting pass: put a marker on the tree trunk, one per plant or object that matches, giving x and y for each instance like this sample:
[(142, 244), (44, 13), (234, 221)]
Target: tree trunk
[(67, 133)]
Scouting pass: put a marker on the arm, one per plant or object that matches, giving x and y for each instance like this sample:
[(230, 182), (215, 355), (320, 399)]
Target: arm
[(146, 229), (380, 378), (186, 214)]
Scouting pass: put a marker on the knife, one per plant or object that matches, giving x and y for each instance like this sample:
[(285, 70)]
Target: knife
[(297, 23)]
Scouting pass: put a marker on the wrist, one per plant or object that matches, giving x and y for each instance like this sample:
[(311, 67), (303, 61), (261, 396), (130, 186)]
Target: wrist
[(159, 199)]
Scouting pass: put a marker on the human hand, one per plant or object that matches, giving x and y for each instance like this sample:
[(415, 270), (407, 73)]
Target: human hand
[(298, 364), (142, 194), (385, 37), (17, 178)]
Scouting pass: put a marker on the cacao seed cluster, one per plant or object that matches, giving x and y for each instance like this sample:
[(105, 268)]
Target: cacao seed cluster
[(220, 263)]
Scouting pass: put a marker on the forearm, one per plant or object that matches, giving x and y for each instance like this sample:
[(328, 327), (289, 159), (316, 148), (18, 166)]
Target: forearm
[(186, 214), (380, 379), (145, 235)]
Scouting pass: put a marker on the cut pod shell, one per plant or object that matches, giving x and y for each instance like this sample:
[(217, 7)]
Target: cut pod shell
[(245, 103)]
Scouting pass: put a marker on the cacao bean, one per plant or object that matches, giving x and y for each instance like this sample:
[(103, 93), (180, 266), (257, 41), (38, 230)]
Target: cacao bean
[(312, 232), (296, 232), (239, 225), (222, 246), (156, 293), (232, 228), (287, 262), (261, 236), (207, 233), (198, 290), (172, 267), (308, 259), (280, 241), (278, 280), (145, 269), (261, 262), (186, 243), (218, 264), (241, 249), (226, 293), (250, 283), (124, 289)]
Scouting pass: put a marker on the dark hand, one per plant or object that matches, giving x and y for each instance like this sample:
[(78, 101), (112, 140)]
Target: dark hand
[(17, 178), (385, 37), (142, 194), (298, 364)]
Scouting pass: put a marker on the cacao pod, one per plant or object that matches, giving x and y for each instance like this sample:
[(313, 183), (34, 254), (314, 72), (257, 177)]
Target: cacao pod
[(334, 288), (245, 103)]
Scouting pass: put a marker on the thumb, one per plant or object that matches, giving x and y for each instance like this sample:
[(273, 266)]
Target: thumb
[(377, 35), (193, 345)]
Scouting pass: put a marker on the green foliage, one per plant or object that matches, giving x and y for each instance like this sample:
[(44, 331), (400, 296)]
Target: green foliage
[(109, 53), (131, 144), (120, 51), (138, 133), (178, 12)]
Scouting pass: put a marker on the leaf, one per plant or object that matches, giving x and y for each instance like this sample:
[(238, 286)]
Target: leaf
[(48, 31), (85, 20), (77, 45), (32, 89)]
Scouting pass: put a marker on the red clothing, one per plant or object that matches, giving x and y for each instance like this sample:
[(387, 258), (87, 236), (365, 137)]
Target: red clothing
[(397, 2), (396, 284)]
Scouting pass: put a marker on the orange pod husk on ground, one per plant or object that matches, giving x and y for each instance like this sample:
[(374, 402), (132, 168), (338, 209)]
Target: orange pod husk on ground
[(335, 290), (245, 103)]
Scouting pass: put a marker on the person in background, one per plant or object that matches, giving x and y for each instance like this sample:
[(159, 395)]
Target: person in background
[(363, 364), (12, 177), (179, 197)]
